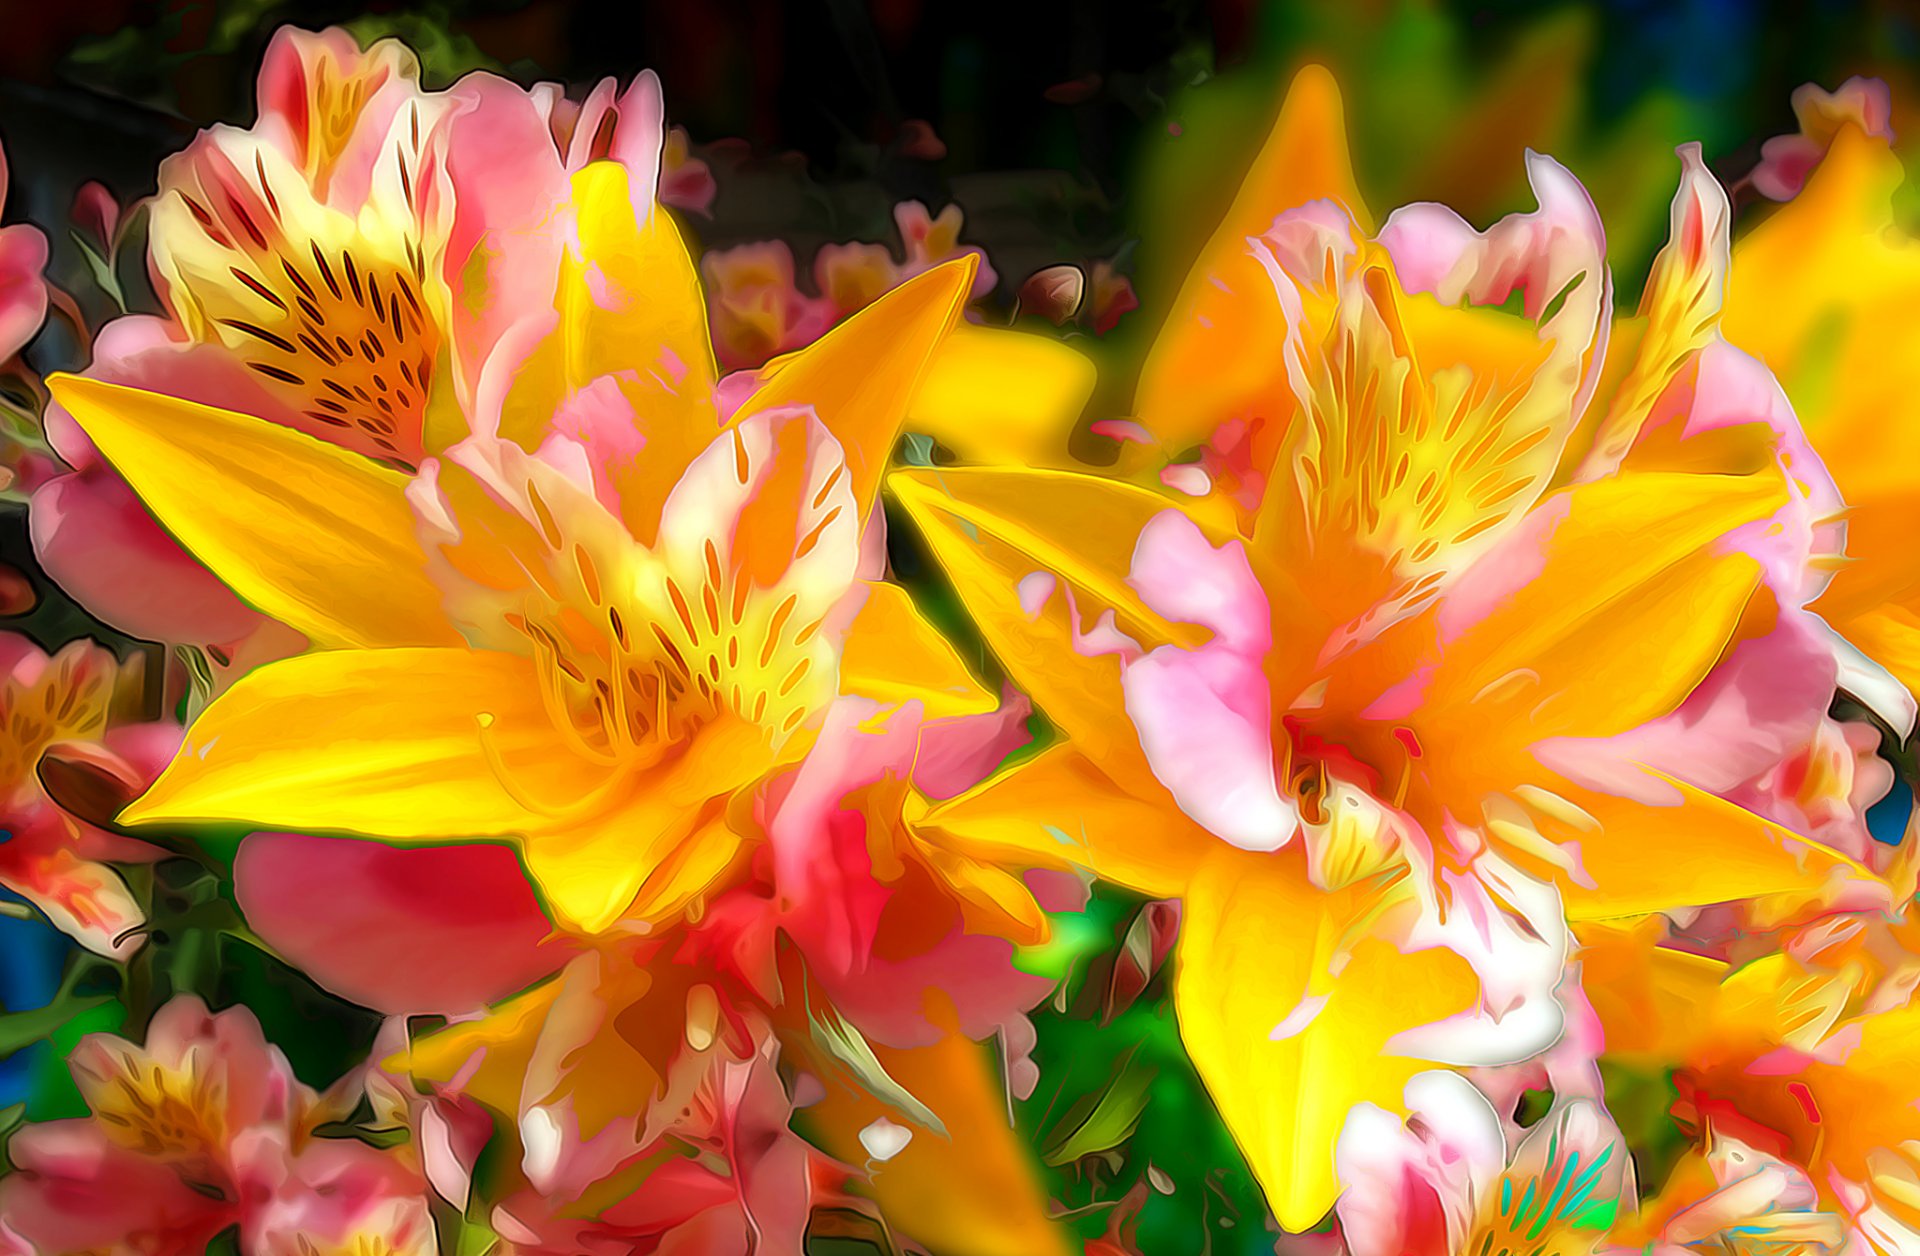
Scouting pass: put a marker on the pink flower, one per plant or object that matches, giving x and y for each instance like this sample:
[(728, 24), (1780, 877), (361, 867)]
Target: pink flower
[(52, 857), (23, 286), (933, 239), (202, 1128), (686, 182), (757, 310), (346, 264)]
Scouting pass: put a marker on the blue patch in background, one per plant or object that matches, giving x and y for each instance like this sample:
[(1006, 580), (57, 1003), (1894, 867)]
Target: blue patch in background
[(1887, 819), (32, 956)]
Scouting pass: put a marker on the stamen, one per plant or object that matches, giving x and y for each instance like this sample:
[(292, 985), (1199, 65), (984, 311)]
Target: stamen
[(589, 803)]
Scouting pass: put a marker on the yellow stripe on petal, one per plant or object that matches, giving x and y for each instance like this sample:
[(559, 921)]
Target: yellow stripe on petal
[(1004, 397), (308, 533), (405, 743), (1038, 558), (892, 655), (1285, 1047), (861, 378), (1679, 310)]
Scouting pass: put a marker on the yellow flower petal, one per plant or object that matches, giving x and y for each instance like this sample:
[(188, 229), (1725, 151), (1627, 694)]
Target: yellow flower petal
[(388, 743), (1258, 943), (861, 377), (667, 834), (1219, 347), (504, 1038), (1692, 850), (972, 1191), (593, 1042), (1037, 558), (312, 535), (1630, 610), (892, 655), (992, 900), (1003, 397), (1823, 292), (630, 309), (1648, 997), (1058, 810), (1430, 426), (1890, 636)]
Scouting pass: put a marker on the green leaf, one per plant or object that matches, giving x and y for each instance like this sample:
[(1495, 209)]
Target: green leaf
[(52, 1094), (1105, 1119), (1199, 1196), (102, 271), (380, 1136), (23, 1029), (12, 1118), (847, 1045)]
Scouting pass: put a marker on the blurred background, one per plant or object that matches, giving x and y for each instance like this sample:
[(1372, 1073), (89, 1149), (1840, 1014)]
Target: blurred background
[(1067, 130), (1103, 135)]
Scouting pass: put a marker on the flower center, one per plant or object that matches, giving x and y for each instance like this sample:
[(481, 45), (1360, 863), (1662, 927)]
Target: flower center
[(165, 1114)]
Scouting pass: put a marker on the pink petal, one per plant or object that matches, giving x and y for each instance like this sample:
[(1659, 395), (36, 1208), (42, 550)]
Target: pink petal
[(420, 929), (1204, 715), (98, 543), (23, 286), (75, 1191), (508, 184)]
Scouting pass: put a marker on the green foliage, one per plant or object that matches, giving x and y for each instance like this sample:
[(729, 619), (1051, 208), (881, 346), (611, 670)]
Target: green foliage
[(444, 53), (1641, 1104), (1121, 1118)]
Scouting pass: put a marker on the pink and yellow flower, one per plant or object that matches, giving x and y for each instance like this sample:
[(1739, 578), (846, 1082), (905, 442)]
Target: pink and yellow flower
[(758, 310), (1793, 1077), (70, 707), (640, 1081), (1787, 160), (1410, 667), (598, 628), (202, 1128), (344, 268)]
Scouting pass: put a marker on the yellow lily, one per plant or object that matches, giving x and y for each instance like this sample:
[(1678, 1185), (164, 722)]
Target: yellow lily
[(1380, 638), (597, 652), (503, 654), (1822, 292)]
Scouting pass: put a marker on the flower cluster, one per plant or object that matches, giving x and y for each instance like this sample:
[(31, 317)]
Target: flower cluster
[(688, 719)]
